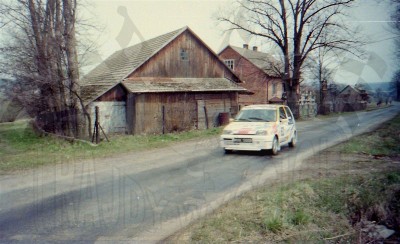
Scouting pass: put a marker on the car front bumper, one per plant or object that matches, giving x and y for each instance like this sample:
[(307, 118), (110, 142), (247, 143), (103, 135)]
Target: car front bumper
[(245, 142)]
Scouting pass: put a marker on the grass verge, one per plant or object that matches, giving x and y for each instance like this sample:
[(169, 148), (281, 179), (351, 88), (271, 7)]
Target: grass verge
[(370, 107), (334, 197), (21, 148)]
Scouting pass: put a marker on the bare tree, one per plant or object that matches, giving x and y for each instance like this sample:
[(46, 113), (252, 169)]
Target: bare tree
[(396, 30), (395, 84), (296, 28), (41, 55), (396, 25), (322, 67)]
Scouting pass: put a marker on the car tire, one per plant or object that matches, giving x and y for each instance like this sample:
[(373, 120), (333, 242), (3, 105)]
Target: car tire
[(228, 151), (293, 142), (275, 146)]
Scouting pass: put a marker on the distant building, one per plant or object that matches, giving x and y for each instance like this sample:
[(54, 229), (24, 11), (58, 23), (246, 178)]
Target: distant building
[(351, 99), (250, 67)]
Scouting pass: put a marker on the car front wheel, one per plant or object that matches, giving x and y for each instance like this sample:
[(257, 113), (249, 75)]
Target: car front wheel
[(275, 147), (293, 142), (228, 151)]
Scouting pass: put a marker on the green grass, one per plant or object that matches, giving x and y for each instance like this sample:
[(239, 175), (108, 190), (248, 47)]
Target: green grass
[(306, 211), (314, 209), (370, 107), (21, 148), (274, 224), (385, 141), (300, 217), (283, 213)]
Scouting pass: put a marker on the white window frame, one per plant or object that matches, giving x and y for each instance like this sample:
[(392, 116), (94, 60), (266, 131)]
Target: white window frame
[(230, 63)]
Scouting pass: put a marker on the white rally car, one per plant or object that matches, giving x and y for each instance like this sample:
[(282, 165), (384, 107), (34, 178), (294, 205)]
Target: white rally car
[(260, 127)]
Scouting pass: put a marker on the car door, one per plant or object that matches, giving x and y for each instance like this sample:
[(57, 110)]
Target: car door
[(291, 121), (283, 125)]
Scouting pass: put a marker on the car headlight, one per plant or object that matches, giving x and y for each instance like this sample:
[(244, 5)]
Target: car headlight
[(262, 132), (227, 132)]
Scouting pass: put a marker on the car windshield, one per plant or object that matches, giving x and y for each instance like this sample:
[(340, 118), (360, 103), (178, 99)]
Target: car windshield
[(257, 115)]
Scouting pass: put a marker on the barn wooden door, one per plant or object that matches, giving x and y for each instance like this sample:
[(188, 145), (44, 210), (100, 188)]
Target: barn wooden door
[(112, 116), (201, 115)]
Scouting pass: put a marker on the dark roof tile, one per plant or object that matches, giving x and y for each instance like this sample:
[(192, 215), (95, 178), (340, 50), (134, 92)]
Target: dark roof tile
[(122, 63), (262, 60)]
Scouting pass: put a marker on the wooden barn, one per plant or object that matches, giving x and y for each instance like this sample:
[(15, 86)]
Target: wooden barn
[(173, 82), (251, 67)]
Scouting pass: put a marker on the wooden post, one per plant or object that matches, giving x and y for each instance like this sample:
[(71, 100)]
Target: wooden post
[(205, 113), (163, 119), (104, 133), (96, 125)]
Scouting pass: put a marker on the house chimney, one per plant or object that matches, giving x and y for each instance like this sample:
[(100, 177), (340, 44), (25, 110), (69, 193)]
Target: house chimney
[(246, 46), (255, 48)]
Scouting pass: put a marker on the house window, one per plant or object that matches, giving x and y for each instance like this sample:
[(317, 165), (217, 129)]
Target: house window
[(230, 63), (274, 88), (184, 55)]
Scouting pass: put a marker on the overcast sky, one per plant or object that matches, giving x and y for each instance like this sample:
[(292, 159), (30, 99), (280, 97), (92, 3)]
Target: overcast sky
[(150, 18)]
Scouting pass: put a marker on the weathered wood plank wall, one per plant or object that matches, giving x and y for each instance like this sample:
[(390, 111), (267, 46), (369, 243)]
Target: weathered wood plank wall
[(183, 111), (168, 63), (118, 93)]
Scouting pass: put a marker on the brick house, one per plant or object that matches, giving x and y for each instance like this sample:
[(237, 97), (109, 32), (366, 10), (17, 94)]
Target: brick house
[(250, 67)]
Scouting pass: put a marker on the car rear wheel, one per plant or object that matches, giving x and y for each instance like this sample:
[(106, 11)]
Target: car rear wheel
[(275, 147), (293, 142)]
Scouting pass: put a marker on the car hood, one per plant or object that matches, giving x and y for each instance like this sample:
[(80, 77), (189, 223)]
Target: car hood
[(249, 128)]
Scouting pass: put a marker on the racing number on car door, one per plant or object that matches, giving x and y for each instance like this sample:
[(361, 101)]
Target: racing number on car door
[(284, 125)]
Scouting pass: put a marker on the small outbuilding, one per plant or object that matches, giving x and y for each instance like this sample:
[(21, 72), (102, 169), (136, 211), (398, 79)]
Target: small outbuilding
[(173, 82)]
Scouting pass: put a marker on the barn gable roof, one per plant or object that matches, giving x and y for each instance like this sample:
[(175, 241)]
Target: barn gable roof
[(124, 62)]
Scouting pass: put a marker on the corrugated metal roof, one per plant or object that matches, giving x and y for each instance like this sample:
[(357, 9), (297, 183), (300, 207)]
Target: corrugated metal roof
[(157, 85)]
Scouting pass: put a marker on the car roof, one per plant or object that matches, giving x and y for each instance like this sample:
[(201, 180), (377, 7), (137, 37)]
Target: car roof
[(263, 106)]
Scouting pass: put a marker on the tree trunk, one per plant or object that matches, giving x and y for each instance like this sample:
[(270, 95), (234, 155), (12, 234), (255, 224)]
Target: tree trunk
[(69, 7), (293, 103), (324, 93), (398, 90), (294, 88)]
